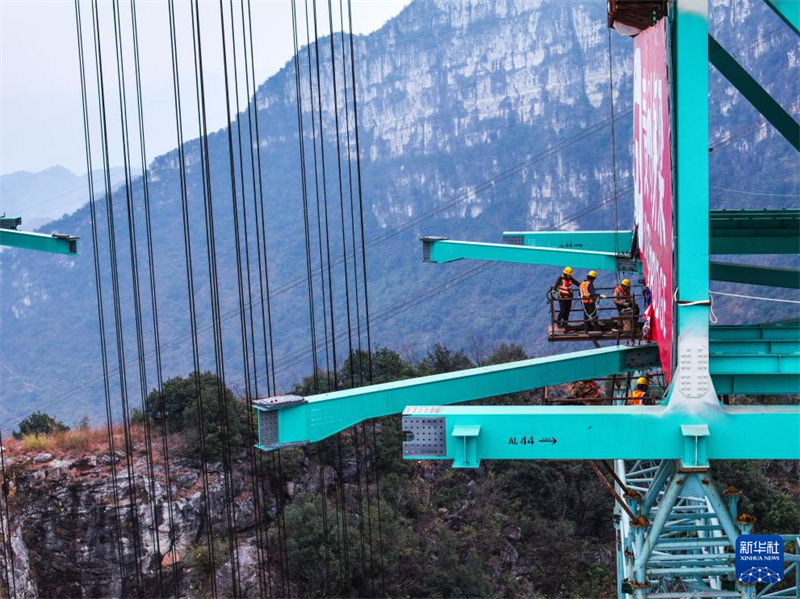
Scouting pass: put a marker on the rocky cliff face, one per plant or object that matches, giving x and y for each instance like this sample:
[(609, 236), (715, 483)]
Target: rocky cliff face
[(475, 117), (64, 535)]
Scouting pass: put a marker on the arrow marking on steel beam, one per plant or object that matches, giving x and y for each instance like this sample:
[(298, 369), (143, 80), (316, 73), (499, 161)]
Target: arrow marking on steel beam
[(553, 440)]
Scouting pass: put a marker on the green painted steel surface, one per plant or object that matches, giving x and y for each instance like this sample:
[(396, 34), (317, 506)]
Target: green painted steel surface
[(771, 332), (619, 432), (62, 244), (754, 93), (326, 414), (768, 276), (446, 250), (690, 124), (596, 241), (755, 231), (788, 11)]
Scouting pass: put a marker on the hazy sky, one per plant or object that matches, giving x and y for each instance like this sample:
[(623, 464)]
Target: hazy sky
[(40, 103)]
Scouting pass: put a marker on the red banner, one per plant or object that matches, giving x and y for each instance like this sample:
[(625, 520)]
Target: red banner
[(652, 168)]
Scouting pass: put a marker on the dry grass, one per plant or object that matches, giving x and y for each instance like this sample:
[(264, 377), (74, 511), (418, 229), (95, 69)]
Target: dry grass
[(76, 442), (36, 443)]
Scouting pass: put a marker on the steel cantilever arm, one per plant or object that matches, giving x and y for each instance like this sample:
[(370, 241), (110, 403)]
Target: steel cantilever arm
[(292, 420)]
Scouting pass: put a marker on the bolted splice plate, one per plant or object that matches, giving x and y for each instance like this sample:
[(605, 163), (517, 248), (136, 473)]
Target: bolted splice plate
[(425, 436)]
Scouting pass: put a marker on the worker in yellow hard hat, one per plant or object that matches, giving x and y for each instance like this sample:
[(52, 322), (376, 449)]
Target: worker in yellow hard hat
[(626, 305), (638, 395), (589, 302), (564, 292)]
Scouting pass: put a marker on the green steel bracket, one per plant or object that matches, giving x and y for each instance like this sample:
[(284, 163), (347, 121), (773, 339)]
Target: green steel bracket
[(442, 250), (754, 231), (695, 452), (466, 446), (54, 244), (754, 93), (788, 11), (610, 432), (10, 222), (595, 241), (292, 420), (768, 276)]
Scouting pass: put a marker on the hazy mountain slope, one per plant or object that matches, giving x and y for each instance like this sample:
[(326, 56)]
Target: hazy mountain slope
[(47, 195), (452, 96)]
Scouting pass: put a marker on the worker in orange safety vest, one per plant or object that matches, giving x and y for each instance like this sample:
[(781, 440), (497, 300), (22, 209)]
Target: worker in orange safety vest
[(638, 395), (564, 292), (589, 302)]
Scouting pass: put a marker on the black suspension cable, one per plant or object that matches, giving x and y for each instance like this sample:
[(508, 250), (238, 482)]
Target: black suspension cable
[(116, 299), (331, 301), (375, 446), (153, 300), (99, 291), (310, 287), (264, 574), (211, 257), (321, 270), (134, 257), (350, 360), (187, 242)]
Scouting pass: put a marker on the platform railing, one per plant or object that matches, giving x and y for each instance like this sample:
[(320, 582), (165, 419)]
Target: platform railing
[(612, 323)]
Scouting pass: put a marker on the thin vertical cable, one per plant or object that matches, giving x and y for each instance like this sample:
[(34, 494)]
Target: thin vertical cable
[(99, 290)]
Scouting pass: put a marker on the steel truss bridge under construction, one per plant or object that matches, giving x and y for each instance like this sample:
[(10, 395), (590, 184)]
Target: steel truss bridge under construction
[(675, 528)]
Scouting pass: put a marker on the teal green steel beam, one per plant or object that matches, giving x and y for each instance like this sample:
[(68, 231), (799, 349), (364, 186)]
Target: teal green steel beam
[(771, 332), (769, 276), (755, 231), (691, 202), (615, 242), (785, 347), (291, 420), (600, 432), (440, 250), (788, 11), (754, 93), (54, 244)]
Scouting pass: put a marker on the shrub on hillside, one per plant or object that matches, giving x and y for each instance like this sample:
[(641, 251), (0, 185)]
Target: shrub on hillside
[(39, 423)]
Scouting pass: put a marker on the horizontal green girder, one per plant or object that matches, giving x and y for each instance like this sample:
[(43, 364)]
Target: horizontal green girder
[(320, 416), (768, 276), (26, 240), (296, 420), (609, 432), (738, 347), (754, 231), (596, 241), (445, 250), (788, 11), (772, 332), (754, 93)]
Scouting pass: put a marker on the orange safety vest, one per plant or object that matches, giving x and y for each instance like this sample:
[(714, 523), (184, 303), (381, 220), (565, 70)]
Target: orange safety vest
[(623, 291), (637, 398), (565, 288), (587, 299)]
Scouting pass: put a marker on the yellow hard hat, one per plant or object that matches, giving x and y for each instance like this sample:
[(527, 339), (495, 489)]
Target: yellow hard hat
[(592, 274), (568, 270), (626, 282), (642, 381)]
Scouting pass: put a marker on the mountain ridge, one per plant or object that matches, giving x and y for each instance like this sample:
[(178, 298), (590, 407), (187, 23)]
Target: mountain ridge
[(516, 83)]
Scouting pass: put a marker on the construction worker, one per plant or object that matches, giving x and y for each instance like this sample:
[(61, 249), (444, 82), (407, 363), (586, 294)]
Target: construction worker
[(626, 306), (640, 392), (589, 301), (647, 295), (564, 292)]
